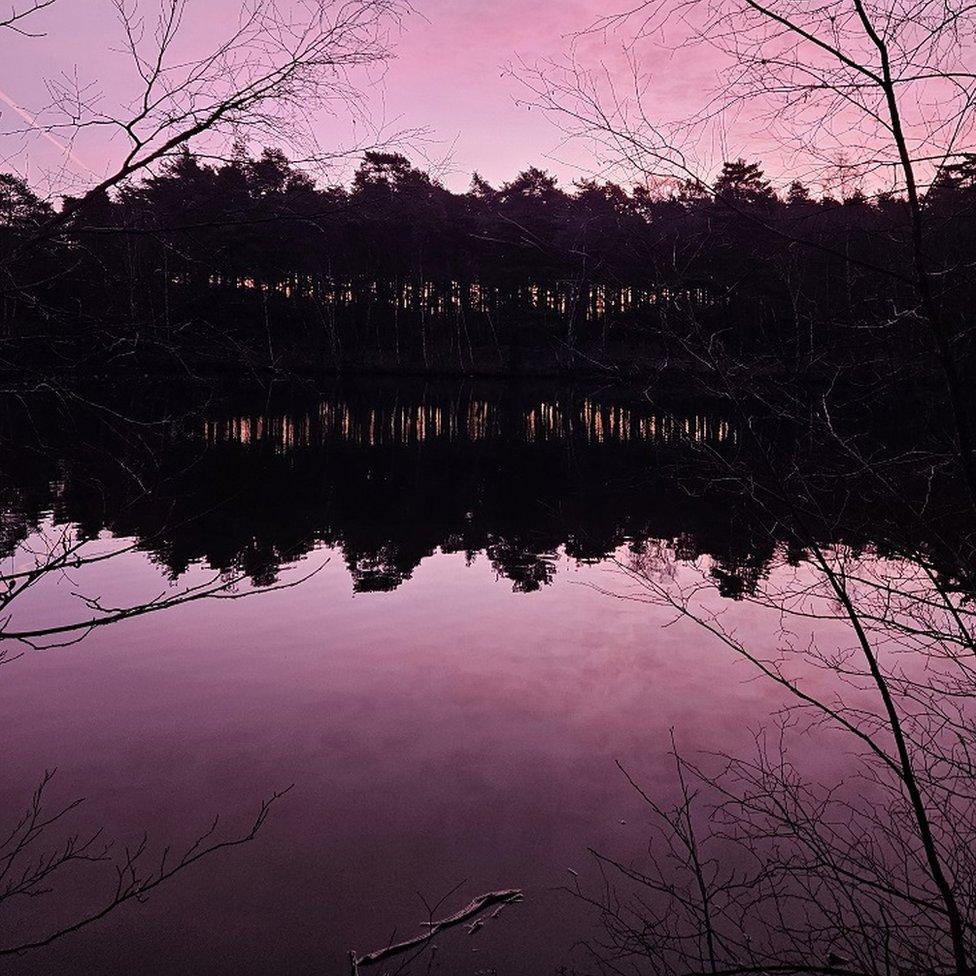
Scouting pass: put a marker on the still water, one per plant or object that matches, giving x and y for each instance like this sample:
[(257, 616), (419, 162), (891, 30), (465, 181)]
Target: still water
[(448, 691)]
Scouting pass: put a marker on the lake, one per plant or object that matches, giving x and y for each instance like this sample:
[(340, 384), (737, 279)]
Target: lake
[(448, 687)]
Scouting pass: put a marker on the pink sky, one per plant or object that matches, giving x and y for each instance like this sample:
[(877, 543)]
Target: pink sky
[(448, 77)]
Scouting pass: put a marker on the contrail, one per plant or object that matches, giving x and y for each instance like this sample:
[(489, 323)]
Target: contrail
[(57, 143)]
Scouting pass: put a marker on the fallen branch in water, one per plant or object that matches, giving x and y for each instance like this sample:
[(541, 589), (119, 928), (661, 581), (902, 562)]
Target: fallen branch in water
[(480, 904)]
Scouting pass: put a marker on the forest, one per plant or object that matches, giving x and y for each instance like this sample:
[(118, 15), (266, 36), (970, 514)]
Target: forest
[(247, 262)]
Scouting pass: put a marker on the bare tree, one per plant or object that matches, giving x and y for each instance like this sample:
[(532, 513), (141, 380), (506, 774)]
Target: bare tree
[(33, 865), (15, 19), (762, 867), (780, 872), (40, 851), (277, 65), (61, 555)]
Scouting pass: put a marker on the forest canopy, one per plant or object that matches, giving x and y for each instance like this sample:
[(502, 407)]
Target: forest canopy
[(202, 237)]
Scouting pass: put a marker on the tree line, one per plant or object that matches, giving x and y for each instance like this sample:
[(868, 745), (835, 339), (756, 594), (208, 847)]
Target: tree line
[(251, 254)]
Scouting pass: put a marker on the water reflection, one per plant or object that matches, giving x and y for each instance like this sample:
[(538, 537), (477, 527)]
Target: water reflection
[(386, 476), (389, 474), (452, 728), (404, 424)]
